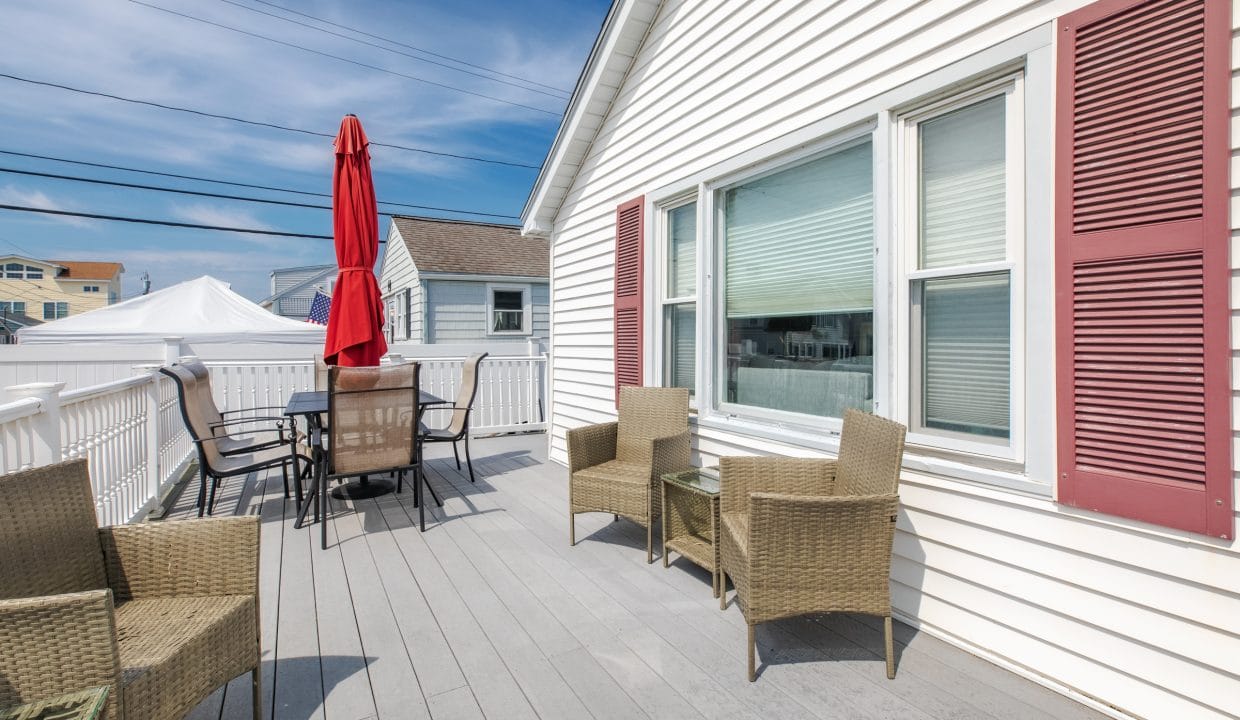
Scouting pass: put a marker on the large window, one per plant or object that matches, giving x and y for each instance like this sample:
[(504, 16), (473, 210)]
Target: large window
[(962, 215), (798, 286), (679, 297), (12, 306), (17, 271)]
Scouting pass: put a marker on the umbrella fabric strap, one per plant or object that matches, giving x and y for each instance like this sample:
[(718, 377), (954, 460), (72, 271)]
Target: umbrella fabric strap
[(356, 268)]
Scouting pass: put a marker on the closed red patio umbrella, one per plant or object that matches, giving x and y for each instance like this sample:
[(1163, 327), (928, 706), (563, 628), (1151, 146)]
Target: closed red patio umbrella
[(355, 323)]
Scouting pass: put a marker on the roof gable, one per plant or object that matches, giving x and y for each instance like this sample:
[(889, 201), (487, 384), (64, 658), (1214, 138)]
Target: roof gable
[(78, 270), (472, 248)]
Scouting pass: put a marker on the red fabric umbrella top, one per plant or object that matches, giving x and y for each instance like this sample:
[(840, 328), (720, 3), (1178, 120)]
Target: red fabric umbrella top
[(355, 324)]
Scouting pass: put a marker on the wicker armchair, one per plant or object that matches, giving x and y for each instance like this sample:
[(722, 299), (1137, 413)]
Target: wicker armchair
[(803, 536), (163, 613), (615, 467)]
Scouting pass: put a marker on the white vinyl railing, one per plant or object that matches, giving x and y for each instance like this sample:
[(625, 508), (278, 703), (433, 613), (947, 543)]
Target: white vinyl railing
[(131, 430)]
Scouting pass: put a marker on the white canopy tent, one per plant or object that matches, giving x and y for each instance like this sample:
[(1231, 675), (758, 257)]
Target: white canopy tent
[(199, 311)]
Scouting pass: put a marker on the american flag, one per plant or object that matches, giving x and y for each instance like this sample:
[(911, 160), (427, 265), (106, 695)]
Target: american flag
[(320, 307)]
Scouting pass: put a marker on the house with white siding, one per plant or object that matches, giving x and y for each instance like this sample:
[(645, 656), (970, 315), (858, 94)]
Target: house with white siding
[(1006, 224), (293, 289), (454, 281)]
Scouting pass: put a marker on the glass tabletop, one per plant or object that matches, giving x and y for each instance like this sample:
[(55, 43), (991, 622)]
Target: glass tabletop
[(703, 480)]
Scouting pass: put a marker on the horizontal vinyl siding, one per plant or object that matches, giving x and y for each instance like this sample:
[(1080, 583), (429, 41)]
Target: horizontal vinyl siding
[(456, 312), (399, 272), (1143, 619)]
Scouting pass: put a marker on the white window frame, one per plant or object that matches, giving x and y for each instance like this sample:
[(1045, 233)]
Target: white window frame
[(907, 273), (55, 309), (716, 251), (661, 285), (526, 310), (12, 306)]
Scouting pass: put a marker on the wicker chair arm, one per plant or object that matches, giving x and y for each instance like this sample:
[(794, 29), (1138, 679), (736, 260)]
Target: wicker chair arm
[(591, 445), (670, 454), (58, 644), (741, 476), (193, 558), (820, 554)]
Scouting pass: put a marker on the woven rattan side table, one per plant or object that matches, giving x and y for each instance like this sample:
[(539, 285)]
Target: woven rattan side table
[(691, 518), (81, 705)]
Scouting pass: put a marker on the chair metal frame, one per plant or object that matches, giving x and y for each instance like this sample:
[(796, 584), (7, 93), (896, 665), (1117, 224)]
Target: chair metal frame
[(462, 407)]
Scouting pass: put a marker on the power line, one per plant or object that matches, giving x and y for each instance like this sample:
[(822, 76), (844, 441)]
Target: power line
[(406, 45), (232, 183), (167, 223), (222, 196), (560, 96), (343, 59), (257, 123)]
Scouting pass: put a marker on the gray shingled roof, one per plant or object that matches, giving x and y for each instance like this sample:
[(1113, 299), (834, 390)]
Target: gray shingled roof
[(456, 246)]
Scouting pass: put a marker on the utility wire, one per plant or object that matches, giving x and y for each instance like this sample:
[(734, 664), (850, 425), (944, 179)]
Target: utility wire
[(558, 95), (406, 45), (229, 182), (166, 223), (257, 123), (343, 59), (180, 191)]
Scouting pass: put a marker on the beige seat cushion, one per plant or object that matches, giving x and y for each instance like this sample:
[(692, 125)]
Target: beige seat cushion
[(615, 471), (174, 651)]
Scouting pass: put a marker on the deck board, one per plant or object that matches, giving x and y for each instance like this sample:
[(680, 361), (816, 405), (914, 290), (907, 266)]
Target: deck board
[(491, 614)]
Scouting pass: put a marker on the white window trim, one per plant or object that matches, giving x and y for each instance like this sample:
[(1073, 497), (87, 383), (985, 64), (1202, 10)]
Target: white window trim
[(716, 251), (1033, 51), (526, 310), (658, 282), (906, 271)]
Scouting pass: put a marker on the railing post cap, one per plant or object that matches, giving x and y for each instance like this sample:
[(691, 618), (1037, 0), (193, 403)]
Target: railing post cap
[(37, 389)]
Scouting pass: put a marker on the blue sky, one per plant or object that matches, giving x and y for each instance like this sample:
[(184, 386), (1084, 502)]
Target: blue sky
[(133, 50)]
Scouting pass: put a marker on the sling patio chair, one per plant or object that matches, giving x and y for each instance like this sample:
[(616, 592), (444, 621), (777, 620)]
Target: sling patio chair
[(372, 429), (615, 467), (803, 536), (220, 420), (213, 464), (458, 426), (160, 613)]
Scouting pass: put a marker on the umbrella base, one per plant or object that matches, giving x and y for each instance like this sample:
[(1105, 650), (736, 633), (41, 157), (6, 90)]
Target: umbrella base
[(363, 489)]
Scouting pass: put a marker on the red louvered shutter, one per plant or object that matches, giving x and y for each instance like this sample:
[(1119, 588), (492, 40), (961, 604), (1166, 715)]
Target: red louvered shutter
[(630, 232), (1142, 268)]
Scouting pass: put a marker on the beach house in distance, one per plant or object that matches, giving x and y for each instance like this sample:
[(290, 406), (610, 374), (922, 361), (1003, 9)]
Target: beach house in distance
[(453, 281), (293, 289), (53, 289), (1003, 223)]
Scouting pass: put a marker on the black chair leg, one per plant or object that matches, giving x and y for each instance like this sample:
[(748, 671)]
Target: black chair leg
[(284, 470), (202, 491), (468, 460), (457, 455), (400, 480), (215, 483), (421, 506)]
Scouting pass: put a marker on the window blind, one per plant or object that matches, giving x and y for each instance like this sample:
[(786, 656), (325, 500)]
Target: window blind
[(962, 186), (682, 251), (801, 241), (967, 354)]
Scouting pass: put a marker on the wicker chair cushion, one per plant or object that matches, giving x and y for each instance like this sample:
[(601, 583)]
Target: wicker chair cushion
[(49, 512), (616, 471), (175, 651)]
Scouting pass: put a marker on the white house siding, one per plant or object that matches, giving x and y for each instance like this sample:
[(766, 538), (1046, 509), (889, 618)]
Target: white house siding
[(285, 279), (456, 312), (398, 273), (1129, 615)]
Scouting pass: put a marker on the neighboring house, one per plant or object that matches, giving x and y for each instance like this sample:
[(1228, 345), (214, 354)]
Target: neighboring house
[(1005, 226), (52, 289), (293, 289), (11, 322), (452, 281)]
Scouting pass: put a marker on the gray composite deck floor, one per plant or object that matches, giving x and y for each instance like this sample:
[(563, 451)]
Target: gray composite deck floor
[(490, 614)]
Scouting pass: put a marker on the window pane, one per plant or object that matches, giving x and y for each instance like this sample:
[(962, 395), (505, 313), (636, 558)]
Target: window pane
[(507, 320), (800, 277), (812, 364), (962, 188), (966, 354), (680, 322), (800, 242), (682, 251), (49, 311), (508, 300)]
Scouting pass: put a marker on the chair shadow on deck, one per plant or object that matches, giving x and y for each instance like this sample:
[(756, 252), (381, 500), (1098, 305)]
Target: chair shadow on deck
[(294, 688)]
